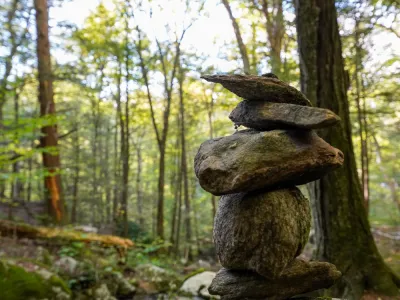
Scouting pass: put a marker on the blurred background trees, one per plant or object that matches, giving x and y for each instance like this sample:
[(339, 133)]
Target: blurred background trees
[(132, 110)]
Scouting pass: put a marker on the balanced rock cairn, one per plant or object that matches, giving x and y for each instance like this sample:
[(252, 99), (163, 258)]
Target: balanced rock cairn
[(263, 220)]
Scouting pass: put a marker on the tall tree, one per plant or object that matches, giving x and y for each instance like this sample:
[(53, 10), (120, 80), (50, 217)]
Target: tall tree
[(51, 160), (239, 39), (169, 76), (342, 231), (272, 11), (186, 199)]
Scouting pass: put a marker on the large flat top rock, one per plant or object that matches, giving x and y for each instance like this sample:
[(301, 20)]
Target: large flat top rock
[(251, 87), (250, 160), (261, 231), (267, 116), (300, 277)]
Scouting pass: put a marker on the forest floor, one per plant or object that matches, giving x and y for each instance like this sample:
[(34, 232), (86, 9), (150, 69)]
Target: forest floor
[(142, 272)]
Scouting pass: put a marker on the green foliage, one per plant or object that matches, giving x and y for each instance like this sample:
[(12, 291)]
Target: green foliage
[(72, 250)]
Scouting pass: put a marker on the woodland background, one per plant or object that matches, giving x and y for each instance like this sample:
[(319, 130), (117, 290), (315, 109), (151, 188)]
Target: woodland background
[(131, 109)]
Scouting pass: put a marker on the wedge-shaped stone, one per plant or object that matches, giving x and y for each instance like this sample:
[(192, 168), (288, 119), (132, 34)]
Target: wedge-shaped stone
[(250, 160), (299, 278), (267, 116), (251, 87), (261, 231)]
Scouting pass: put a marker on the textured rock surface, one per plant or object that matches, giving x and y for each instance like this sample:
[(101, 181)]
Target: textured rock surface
[(250, 160), (251, 87), (300, 277), (261, 231), (267, 116)]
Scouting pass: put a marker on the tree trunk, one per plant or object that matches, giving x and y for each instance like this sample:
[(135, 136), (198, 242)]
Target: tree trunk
[(139, 191), (343, 235), (239, 39), (362, 132), (188, 228), (75, 198), (116, 173), (176, 182), (106, 175), (16, 185), (275, 28), (51, 162)]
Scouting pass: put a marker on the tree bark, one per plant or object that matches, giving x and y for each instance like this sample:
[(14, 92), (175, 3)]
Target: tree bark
[(343, 235), (239, 39), (51, 161), (188, 228)]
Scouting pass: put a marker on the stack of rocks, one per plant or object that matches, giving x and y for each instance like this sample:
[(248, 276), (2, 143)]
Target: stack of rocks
[(263, 220)]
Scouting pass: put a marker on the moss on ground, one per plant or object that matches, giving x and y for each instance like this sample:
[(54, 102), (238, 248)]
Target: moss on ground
[(16, 283)]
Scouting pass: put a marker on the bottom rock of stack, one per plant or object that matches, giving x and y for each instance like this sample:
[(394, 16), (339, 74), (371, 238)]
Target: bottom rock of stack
[(261, 231), (298, 278)]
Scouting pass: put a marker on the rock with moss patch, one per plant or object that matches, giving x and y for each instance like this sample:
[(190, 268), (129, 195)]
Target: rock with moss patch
[(249, 160), (300, 277), (102, 293), (154, 279), (17, 282), (260, 88), (261, 231), (118, 285), (268, 116)]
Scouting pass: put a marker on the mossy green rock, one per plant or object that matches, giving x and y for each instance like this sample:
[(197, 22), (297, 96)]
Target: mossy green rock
[(261, 231), (250, 160), (300, 277), (268, 116), (16, 284), (260, 88)]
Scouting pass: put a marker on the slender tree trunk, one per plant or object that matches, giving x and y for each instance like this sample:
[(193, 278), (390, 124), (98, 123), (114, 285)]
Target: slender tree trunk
[(94, 145), (179, 221), (29, 188), (107, 176), (272, 10), (139, 191), (239, 39), (188, 228), (177, 180), (116, 173), (361, 118), (15, 185), (343, 235), (75, 193), (51, 162)]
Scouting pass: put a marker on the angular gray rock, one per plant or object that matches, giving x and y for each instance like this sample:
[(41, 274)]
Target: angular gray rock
[(300, 277), (261, 231), (249, 160), (251, 87), (267, 116)]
